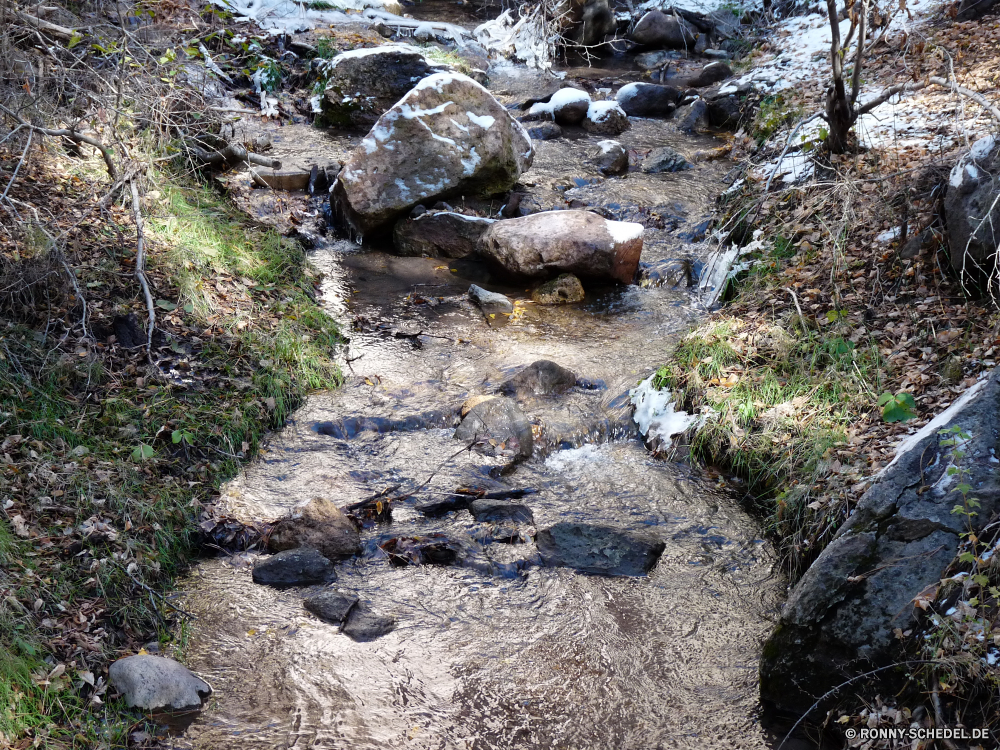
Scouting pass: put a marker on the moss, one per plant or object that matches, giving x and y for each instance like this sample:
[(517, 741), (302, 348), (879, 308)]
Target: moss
[(143, 454)]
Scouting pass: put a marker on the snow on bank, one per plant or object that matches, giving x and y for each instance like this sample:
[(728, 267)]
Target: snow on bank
[(656, 414), (800, 60)]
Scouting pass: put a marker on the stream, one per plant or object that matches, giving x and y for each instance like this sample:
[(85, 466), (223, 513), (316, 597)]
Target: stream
[(497, 653)]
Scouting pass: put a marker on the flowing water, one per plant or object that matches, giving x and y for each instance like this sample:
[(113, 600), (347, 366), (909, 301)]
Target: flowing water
[(498, 652)]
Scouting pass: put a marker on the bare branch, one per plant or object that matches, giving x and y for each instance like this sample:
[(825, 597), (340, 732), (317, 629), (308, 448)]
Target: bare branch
[(71, 135), (969, 93), (899, 88), (859, 56), (49, 28), (140, 267)]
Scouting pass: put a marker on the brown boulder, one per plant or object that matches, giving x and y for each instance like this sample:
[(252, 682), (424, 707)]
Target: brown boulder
[(577, 242), (319, 524)]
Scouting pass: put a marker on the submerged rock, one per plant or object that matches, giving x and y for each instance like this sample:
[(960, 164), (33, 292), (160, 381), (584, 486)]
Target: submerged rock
[(491, 303), (319, 524), (500, 511), (331, 606), (602, 550), (431, 549), (155, 683), (362, 84), (566, 106), (577, 242), (541, 378), (606, 118), (447, 136), (665, 159), (611, 157), (544, 131), (657, 29), (841, 617), (439, 234), (365, 625), (565, 289), (497, 426), (294, 567), (647, 100)]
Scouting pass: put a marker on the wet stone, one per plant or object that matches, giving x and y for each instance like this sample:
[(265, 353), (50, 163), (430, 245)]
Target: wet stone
[(610, 157), (491, 303), (331, 606), (541, 378), (294, 567), (544, 131), (499, 511), (497, 427), (365, 625), (565, 289), (602, 550), (319, 524), (665, 159)]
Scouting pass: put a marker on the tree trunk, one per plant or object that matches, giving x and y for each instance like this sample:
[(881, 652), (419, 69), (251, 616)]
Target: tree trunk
[(840, 118)]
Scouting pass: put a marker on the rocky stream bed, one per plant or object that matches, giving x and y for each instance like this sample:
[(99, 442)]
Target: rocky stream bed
[(528, 619)]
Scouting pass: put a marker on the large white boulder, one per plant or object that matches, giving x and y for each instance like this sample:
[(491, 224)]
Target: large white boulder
[(156, 683), (448, 136), (577, 242)]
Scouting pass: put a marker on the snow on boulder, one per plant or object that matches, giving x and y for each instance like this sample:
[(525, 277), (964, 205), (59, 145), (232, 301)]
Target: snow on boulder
[(647, 99), (447, 136), (972, 213), (606, 118), (361, 85), (577, 242), (566, 107)]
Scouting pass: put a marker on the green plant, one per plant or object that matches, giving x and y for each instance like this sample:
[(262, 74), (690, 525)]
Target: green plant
[(898, 408)]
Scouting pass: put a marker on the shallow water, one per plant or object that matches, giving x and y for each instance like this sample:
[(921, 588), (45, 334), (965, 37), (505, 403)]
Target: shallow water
[(485, 656)]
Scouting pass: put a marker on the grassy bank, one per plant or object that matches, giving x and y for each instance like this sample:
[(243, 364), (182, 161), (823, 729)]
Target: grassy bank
[(109, 455), (841, 338)]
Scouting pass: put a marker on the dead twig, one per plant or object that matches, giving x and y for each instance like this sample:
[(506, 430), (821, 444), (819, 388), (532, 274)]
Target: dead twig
[(72, 135), (140, 267)]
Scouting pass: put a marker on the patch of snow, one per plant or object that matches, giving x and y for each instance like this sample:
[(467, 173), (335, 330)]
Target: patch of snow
[(627, 93), (565, 97), (600, 111), (655, 412), (483, 121), (540, 108), (889, 235), (524, 39), (607, 146), (982, 148), (624, 231)]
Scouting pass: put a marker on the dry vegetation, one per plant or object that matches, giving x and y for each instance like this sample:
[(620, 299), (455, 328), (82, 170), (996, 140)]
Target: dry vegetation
[(150, 337), (836, 344)]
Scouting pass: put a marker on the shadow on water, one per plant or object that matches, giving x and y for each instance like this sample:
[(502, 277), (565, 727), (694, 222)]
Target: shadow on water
[(499, 652)]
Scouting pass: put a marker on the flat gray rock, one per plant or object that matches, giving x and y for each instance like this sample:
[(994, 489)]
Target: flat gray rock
[(365, 625), (155, 683), (491, 303), (499, 511), (294, 567), (602, 550), (331, 606)]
